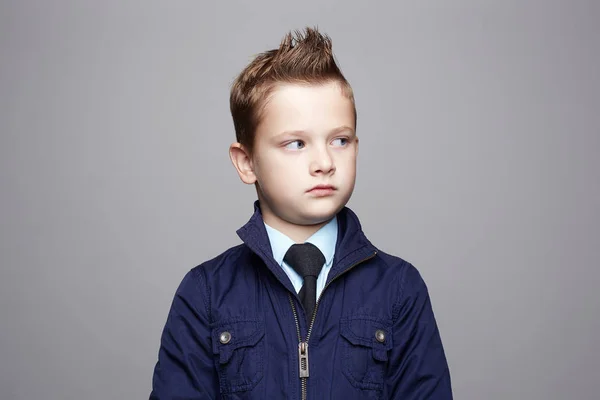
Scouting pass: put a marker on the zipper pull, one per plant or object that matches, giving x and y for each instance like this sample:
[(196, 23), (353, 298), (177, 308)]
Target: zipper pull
[(303, 359)]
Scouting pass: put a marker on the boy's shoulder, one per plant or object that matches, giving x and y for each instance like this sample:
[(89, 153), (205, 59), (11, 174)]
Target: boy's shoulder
[(398, 270), (229, 257), (406, 269), (403, 270), (218, 266)]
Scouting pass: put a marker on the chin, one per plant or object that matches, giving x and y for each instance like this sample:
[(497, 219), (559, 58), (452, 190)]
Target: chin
[(320, 211)]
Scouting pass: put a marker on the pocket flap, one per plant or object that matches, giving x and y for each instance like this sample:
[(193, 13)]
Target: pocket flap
[(369, 332), (231, 335)]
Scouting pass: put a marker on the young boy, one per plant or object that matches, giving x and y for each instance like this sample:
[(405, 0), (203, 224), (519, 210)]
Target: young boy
[(306, 307)]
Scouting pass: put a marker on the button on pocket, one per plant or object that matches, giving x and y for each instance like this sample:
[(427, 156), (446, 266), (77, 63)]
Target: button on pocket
[(380, 336), (239, 348), (366, 343), (225, 337)]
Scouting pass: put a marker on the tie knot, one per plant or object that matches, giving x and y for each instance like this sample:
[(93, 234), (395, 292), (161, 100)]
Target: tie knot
[(305, 258)]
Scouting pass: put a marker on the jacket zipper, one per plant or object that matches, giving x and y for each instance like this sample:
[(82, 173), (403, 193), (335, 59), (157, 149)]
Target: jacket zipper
[(303, 345)]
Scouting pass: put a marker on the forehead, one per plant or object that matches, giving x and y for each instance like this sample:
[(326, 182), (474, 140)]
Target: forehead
[(312, 108)]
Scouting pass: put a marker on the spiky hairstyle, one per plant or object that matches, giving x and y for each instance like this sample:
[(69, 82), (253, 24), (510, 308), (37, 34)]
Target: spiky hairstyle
[(304, 58)]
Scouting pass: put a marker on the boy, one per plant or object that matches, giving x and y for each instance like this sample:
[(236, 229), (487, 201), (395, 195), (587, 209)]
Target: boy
[(306, 307)]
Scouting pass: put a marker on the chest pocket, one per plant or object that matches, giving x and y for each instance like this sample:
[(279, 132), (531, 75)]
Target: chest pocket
[(239, 351), (365, 346)]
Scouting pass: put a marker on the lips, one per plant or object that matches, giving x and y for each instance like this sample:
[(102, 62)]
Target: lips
[(322, 187), (322, 191)]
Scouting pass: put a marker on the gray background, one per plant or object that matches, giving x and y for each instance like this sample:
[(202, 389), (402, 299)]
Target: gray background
[(480, 130)]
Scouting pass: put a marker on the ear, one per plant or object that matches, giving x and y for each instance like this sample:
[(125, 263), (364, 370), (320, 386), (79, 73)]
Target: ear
[(241, 160)]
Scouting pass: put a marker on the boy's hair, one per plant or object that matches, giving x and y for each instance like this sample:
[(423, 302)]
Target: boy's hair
[(304, 58)]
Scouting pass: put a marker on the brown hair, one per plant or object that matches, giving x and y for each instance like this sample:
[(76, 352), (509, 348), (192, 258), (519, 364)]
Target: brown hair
[(302, 58)]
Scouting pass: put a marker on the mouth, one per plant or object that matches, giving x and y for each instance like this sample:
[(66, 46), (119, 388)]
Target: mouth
[(322, 190)]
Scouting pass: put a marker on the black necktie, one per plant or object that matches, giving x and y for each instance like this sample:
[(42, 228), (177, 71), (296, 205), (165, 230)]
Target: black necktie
[(307, 260)]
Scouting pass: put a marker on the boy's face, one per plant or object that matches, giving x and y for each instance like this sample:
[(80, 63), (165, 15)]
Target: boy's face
[(304, 157)]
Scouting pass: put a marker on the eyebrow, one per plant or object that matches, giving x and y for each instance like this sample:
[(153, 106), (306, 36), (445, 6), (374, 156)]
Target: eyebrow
[(302, 133)]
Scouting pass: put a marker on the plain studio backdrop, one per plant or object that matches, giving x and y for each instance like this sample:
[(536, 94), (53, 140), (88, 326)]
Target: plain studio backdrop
[(480, 133)]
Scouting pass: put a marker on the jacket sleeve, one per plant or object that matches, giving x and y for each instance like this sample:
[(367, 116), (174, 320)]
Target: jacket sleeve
[(418, 366), (185, 368)]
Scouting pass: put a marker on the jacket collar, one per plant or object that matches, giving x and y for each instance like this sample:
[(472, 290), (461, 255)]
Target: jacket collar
[(351, 247)]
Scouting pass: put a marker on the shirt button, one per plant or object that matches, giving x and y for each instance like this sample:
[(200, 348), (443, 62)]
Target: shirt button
[(225, 337), (380, 336)]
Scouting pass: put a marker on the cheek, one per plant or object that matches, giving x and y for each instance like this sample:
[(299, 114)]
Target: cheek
[(278, 173), (285, 166), (348, 165)]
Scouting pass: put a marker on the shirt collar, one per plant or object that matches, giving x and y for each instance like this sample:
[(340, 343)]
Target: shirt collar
[(325, 239)]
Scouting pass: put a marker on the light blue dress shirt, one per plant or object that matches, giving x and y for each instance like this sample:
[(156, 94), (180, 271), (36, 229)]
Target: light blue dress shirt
[(325, 239)]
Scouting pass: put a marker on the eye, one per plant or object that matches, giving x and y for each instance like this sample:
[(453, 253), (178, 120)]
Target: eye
[(341, 142), (295, 145)]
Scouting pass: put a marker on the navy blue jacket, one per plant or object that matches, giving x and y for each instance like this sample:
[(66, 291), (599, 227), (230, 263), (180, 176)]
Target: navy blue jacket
[(237, 330)]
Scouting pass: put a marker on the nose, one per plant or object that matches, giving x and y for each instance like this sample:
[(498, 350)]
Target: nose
[(322, 162)]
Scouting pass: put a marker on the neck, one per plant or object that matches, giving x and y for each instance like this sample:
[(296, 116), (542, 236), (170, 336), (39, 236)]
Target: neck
[(298, 233)]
